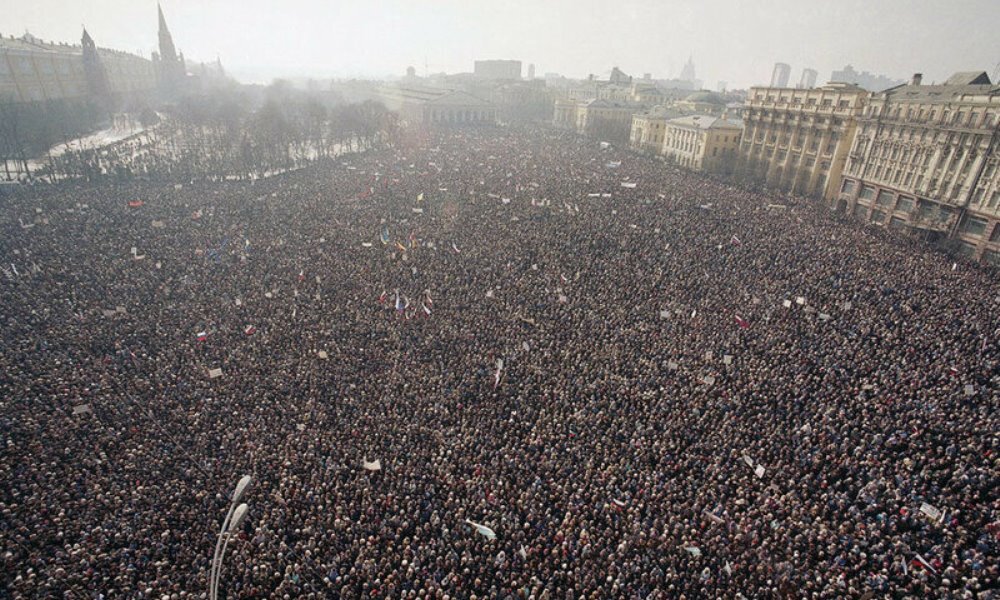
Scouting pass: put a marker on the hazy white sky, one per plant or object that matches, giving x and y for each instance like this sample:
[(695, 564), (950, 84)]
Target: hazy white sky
[(733, 40)]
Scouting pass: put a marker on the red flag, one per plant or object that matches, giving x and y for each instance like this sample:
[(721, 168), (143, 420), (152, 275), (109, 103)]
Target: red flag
[(250, 330), (382, 297), (135, 203), (743, 323), (202, 336)]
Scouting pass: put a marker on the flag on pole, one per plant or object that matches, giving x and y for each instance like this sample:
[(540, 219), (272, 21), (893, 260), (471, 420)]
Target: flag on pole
[(420, 197), (735, 241), (743, 323), (426, 310), (382, 297), (249, 330), (375, 465), (401, 247), (922, 562), (202, 336), (497, 375), (455, 248), (482, 530), (384, 236)]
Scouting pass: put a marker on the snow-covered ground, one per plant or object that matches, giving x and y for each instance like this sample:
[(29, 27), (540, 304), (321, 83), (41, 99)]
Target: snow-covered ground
[(99, 139)]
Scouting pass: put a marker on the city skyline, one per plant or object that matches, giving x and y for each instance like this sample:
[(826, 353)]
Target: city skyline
[(311, 39)]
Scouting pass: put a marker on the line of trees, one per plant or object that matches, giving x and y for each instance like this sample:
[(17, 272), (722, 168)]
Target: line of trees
[(239, 131)]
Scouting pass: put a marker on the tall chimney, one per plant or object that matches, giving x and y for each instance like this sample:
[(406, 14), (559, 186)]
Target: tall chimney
[(917, 78)]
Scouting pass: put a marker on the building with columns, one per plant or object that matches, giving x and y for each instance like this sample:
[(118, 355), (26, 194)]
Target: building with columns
[(926, 158), (425, 106), (649, 127), (704, 143), (797, 139)]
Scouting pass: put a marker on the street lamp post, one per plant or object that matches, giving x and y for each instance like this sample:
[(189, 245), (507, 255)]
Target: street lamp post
[(234, 518)]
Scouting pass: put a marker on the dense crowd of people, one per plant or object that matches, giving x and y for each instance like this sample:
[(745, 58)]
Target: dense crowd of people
[(646, 383)]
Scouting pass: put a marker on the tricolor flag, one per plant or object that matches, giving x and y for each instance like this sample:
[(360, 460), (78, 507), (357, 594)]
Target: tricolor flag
[(743, 323), (135, 203), (735, 241), (249, 330), (202, 336), (383, 297), (617, 504), (302, 275)]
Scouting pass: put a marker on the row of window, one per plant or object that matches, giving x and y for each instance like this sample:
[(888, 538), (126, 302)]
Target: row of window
[(961, 117)]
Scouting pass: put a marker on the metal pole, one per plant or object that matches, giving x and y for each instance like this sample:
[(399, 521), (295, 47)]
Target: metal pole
[(218, 545)]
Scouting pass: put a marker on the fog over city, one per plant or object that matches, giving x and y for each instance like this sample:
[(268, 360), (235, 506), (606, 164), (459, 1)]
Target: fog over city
[(441, 300), (730, 40)]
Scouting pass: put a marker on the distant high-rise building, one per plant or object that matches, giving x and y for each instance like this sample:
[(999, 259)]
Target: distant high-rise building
[(780, 74), (808, 80), (531, 72), (687, 73), (866, 80), (497, 69)]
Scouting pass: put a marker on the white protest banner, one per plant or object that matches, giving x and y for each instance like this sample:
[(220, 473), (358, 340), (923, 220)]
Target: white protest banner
[(708, 380), (629, 184), (482, 530), (932, 513), (108, 313), (120, 310), (759, 471), (713, 518), (787, 303), (709, 355), (82, 409), (727, 359), (664, 314), (800, 300), (214, 373), (323, 355), (748, 460), (970, 390), (693, 550), (375, 465), (672, 365)]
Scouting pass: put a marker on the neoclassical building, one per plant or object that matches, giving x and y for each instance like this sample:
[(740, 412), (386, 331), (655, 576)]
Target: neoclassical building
[(437, 106), (702, 142), (927, 158), (797, 139)]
